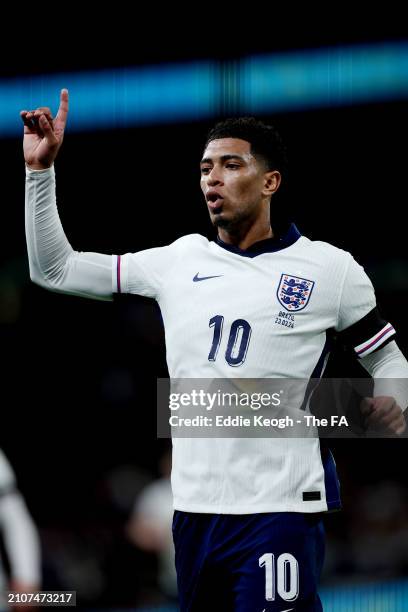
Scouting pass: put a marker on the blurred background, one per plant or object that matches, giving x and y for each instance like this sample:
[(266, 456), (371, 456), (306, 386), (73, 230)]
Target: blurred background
[(78, 377)]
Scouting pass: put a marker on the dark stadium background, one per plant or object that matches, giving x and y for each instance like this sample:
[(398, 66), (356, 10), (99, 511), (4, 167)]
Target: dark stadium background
[(78, 376)]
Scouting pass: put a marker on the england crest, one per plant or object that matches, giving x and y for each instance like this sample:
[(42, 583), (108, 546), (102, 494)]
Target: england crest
[(294, 292)]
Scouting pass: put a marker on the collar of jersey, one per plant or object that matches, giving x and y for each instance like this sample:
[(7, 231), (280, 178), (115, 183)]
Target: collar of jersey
[(269, 245)]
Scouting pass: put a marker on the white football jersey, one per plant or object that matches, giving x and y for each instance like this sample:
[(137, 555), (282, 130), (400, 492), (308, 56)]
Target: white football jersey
[(262, 313), (259, 313)]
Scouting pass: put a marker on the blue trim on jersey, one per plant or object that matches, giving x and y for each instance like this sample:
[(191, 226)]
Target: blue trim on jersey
[(269, 245), (331, 480), (317, 372)]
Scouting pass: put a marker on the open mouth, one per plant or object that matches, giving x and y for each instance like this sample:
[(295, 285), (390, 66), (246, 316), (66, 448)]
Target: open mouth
[(214, 201)]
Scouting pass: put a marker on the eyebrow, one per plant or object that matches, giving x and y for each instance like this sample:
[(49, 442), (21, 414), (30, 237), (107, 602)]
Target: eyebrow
[(208, 160)]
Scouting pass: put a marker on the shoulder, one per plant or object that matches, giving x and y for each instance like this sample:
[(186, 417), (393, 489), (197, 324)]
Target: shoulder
[(189, 241), (325, 255), (326, 261), (319, 247)]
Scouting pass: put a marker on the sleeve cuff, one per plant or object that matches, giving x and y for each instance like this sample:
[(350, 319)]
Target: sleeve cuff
[(31, 172)]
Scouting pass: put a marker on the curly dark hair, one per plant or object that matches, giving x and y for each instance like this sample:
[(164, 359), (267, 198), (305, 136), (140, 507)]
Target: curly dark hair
[(266, 142)]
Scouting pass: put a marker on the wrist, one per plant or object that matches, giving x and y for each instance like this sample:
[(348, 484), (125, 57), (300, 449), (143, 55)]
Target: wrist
[(34, 168), (38, 167)]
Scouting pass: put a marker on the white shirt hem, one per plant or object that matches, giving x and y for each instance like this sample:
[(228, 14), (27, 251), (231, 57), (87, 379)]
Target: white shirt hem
[(306, 507)]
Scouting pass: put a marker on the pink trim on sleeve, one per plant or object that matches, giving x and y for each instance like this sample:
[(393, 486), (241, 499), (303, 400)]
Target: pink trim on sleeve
[(369, 345), (118, 274)]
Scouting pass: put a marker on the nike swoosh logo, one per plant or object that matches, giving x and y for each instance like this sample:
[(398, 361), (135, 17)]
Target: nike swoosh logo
[(287, 610), (201, 278)]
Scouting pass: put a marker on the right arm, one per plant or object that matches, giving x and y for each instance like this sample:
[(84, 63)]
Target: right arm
[(53, 262)]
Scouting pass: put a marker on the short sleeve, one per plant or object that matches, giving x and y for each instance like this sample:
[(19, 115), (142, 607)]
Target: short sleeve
[(359, 322), (142, 273), (145, 272)]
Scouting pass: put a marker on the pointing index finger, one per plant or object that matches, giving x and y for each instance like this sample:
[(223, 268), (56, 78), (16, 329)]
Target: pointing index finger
[(63, 107)]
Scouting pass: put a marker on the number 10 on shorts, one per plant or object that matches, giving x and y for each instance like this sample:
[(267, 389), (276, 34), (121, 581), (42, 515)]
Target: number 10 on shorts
[(282, 576)]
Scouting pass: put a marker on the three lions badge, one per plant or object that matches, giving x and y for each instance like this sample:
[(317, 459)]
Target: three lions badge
[(294, 292)]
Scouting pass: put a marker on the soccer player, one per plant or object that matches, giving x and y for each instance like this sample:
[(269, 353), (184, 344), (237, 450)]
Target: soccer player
[(247, 526)]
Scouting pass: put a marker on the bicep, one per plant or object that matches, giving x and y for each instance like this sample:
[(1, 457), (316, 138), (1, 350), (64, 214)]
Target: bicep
[(357, 297), (360, 324), (85, 274), (99, 276)]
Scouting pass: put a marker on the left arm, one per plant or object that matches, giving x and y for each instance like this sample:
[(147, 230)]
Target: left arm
[(389, 368), (372, 339)]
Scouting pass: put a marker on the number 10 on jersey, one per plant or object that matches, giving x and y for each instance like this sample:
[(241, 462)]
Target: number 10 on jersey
[(238, 340)]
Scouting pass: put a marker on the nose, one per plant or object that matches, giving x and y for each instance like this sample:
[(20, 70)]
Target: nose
[(214, 177)]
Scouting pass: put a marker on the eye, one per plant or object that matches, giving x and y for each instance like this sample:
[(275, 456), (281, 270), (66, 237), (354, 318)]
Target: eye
[(205, 169), (233, 166)]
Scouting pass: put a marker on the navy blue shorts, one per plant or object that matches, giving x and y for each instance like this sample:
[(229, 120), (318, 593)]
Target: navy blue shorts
[(249, 562)]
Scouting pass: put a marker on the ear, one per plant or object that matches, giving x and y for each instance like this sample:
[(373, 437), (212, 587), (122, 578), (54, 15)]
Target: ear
[(272, 180)]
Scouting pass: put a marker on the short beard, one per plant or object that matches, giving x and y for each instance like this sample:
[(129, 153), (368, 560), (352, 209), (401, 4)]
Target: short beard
[(232, 226), (226, 224)]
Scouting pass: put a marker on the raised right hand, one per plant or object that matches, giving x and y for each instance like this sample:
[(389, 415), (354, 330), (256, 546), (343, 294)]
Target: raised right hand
[(43, 135)]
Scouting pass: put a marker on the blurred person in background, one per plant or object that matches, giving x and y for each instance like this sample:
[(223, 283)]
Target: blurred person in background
[(378, 535), (20, 539), (149, 526)]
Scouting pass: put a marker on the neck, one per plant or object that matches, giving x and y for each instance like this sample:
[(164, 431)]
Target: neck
[(244, 236)]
